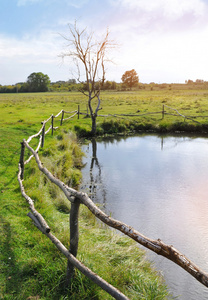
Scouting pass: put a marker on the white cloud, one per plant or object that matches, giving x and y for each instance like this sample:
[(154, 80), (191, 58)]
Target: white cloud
[(42, 46), (178, 8), (170, 8), (19, 58), (163, 58), (163, 40), (160, 15)]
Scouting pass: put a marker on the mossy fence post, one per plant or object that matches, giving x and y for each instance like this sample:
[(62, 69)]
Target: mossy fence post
[(163, 111), (78, 111), (74, 237), (43, 135), (62, 117), (52, 121), (21, 161)]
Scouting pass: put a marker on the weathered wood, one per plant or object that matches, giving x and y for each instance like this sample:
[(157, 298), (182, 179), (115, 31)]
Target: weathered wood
[(41, 224), (47, 131), (58, 114), (163, 111), (74, 227), (86, 271), (37, 149), (74, 237), (130, 115), (70, 112), (35, 222), (62, 117), (43, 136), (52, 121), (48, 119), (70, 116), (37, 134), (183, 116), (155, 245), (175, 110), (21, 161), (36, 215)]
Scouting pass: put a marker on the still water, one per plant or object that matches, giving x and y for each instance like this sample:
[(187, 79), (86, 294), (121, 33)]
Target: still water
[(159, 186)]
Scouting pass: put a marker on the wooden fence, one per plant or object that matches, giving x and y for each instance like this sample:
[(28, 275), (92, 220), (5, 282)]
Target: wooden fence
[(166, 110), (177, 114), (76, 198)]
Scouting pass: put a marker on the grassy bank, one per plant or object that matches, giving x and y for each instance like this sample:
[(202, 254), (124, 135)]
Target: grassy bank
[(32, 268), (30, 264)]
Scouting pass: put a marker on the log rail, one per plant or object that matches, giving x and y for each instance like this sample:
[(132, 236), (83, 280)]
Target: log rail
[(76, 198)]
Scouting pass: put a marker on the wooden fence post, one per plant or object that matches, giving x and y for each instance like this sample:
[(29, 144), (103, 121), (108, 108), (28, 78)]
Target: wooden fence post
[(78, 111), (52, 117), (43, 135), (62, 117), (21, 161), (163, 111), (74, 237)]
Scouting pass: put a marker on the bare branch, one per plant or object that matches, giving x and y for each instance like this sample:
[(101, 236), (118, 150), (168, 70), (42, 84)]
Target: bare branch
[(89, 54)]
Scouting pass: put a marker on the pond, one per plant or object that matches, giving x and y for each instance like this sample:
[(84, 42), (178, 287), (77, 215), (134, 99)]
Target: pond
[(159, 186)]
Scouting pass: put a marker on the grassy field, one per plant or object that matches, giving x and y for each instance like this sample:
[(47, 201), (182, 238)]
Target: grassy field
[(36, 107), (30, 265)]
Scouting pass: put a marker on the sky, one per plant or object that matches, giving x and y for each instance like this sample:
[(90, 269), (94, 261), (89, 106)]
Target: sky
[(165, 41)]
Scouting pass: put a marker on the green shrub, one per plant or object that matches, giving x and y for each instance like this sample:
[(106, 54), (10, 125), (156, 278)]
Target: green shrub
[(115, 126), (81, 131)]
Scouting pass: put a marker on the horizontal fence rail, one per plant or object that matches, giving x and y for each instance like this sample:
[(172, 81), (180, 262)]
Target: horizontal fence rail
[(76, 198), (163, 112), (41, 134), (180, 115)]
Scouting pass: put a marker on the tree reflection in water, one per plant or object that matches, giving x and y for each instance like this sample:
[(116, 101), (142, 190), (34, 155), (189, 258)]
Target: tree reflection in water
[(96, 188)]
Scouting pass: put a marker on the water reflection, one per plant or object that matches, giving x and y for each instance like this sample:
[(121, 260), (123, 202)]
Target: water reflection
[(159, 186), (95, 173)]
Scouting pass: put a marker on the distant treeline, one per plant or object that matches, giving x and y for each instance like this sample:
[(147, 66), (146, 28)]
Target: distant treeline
[(59, 86), (72, 85)]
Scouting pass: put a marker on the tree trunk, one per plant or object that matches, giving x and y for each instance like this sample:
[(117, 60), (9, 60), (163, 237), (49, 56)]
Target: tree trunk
[(93, 131), (94, 115)]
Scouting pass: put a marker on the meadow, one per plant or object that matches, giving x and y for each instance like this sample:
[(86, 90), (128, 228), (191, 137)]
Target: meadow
[(31, 267)]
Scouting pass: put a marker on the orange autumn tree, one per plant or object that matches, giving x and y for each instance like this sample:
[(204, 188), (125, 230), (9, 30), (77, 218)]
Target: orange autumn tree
[(130, 78)]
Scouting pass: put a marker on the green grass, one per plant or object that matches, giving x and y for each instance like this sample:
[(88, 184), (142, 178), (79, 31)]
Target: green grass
[(187, 102), (30, 265)]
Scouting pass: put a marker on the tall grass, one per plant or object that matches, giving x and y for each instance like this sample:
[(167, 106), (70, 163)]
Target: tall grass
[(37, 269)]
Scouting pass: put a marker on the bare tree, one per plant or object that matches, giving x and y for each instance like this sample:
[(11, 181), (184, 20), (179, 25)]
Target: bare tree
[(90, 56)]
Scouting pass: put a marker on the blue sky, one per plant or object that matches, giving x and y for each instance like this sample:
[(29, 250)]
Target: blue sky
[(163, 40)]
